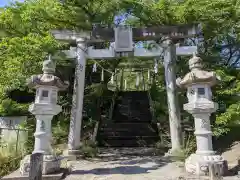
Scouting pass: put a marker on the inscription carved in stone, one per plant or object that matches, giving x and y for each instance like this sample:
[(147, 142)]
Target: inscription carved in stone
[(81, 67), (42, 126)]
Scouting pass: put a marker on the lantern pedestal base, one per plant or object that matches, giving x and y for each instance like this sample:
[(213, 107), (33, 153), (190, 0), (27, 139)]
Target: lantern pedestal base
[(51, 164), (199, 164)]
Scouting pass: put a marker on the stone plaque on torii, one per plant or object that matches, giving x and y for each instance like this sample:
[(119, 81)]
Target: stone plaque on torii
[(122, 39)]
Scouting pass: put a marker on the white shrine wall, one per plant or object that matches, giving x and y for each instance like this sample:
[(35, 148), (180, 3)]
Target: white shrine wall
[(10, 134)]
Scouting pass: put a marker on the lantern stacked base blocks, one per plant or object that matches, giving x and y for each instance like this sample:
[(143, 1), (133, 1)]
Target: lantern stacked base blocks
[(43, 137), (51, 164)]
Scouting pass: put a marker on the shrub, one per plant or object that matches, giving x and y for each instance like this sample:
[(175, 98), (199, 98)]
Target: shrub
[(9, 107), (89, 149), (10, 158), (60, 129), (9, 164), (189, 147)]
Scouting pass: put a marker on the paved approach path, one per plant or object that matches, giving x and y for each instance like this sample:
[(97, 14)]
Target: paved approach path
[(125, 168), (126, 164), (119, 165)]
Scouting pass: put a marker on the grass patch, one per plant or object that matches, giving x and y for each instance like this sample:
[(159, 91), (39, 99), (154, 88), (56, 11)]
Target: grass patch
[(89, 149), (10, 157)]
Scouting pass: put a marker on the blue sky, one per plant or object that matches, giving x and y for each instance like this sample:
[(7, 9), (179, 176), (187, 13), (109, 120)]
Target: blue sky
[(5, 2)]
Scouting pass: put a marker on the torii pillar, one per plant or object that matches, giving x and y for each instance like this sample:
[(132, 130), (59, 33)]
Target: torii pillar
[(74, 138), (170, 57)]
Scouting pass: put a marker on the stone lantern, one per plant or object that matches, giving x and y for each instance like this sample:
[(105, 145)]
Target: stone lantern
[(198, 84), (44, 108)]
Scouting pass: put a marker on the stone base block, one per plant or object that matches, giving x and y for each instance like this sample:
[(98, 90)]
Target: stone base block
[(199, 164), (69, 156), (175, 155), (74, 152), (51, 164), (72, 155)]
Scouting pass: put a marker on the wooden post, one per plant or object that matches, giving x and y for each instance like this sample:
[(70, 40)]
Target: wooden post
[(36, 163)]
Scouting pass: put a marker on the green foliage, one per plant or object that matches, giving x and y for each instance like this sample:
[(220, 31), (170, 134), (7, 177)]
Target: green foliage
[(86, 13), (89, 149), (60, 129), (34, 16), (9, 164), (226, 94), (22, 57), (9, 107), (159, 99), (29, 125), (227, 119), (10, 158), (189, 147), (25, 43)]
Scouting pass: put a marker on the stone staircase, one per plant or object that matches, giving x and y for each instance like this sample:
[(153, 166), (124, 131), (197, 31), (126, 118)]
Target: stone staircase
[(131, 124)]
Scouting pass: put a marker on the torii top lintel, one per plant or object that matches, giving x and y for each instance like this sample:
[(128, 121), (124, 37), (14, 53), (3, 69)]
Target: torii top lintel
[(103, 34)]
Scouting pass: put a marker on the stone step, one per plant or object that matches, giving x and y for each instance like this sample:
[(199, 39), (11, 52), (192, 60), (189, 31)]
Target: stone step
[(135, 120), (129, 100), (127, 132), (131, 118), (133, 115), (131, 138), (131, 126), (144, 141), (133, 106), (132, 93), (122, 151), (104, 133)]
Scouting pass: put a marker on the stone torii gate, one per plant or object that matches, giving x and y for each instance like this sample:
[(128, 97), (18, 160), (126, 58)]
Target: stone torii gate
[(123, 38)]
